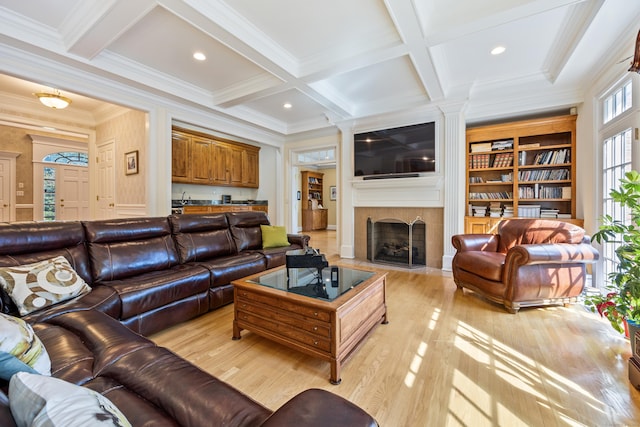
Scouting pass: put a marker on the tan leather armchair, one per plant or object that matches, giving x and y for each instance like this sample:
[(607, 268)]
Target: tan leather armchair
[(528, 262)]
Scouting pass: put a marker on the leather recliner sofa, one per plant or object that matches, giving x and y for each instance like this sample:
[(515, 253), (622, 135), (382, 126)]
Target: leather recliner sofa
[(141, 270), (528, 262), (147, 274)]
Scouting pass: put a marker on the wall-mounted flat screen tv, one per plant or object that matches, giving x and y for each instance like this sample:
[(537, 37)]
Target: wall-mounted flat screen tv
[(396, 152)]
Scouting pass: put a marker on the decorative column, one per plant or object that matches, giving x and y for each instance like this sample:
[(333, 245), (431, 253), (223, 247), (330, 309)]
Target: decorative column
[(454, 171), (345, 194)]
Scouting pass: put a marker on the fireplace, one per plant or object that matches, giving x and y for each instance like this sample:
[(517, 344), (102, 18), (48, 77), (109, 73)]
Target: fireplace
[(393, 241)]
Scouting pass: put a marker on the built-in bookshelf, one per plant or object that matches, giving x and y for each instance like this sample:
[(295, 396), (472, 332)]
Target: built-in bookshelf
[(314, 215), (521, 169)]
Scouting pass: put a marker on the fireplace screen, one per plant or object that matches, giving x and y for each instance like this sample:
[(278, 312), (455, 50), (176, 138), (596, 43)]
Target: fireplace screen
[(396, 242)]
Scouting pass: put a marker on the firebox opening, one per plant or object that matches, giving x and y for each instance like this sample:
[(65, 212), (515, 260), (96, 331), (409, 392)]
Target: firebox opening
[(393, 241)]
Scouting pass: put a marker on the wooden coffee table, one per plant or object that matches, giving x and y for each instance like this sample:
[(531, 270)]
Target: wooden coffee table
[(320, 317)]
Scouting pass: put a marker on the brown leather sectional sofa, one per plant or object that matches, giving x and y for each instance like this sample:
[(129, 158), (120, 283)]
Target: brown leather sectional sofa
[(148, 274)]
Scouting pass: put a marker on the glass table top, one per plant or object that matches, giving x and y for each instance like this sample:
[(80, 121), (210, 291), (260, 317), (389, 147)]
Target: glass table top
[(327, 285)]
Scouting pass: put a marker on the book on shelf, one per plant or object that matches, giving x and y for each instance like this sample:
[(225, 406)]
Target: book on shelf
[(502, 145), (564, 216), (566, 192), (480, 147)]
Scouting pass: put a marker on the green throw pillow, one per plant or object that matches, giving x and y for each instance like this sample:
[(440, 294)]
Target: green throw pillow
[(20, 349), (274, 236), (39, 401), (41, 284)]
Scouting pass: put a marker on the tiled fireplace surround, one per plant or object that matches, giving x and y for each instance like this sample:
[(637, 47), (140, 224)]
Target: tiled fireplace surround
[(432, 217)]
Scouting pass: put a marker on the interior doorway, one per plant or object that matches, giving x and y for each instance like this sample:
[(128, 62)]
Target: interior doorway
[(320, 159)]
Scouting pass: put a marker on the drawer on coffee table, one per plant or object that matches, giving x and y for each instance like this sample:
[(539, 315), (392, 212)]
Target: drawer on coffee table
[(291, 332), (290, 306), (311, 325)]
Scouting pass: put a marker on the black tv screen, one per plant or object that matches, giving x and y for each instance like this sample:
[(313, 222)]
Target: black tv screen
[(396, 151)]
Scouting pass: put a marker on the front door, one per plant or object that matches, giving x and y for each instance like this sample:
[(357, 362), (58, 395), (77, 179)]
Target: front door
[(73, 196)]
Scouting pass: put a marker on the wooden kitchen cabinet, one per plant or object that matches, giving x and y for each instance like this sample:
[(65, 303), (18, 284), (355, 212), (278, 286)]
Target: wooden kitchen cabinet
[(202, 159), (180, 157)]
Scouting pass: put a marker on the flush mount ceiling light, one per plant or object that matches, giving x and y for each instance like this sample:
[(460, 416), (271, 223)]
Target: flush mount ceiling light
[(498, 50), (53, 100), (635, 65), (199, 56), (287, 105)]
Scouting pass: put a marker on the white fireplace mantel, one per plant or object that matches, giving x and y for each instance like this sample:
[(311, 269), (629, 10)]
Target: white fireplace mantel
[(424, 191)]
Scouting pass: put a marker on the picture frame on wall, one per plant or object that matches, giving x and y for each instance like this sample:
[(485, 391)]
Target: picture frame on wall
[(333, 192), (131, 162)]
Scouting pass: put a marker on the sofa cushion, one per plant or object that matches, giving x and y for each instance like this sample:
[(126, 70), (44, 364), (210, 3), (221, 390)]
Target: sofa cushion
[(20, 349), (42, 284), (226, 269), (26, 243), (39, 401), (202, 237), (273, 236), (245, 229), (488, 265), (122, 248), (515, 232)]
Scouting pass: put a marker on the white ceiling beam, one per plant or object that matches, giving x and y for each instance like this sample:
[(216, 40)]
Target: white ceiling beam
[(94, 25), (406, 21), (576, 24)]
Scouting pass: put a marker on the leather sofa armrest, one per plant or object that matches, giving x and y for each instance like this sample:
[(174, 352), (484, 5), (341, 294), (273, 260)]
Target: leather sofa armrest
[(565, 253), (319, 408), (475, 242), (299, 239)]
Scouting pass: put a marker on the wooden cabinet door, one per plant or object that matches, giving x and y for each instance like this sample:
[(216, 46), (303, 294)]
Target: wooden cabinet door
[(180, 157), (219, 171), (234, 164), (200, 160), (250, 169)]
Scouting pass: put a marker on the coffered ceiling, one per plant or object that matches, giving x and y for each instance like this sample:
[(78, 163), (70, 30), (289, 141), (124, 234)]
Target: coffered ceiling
[(332, 60)]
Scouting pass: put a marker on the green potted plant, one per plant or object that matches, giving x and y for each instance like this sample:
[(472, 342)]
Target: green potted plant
[(621, 303)]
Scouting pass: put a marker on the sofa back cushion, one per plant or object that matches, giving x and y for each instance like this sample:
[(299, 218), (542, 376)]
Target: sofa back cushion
[(120, 248), (245, 229), (202, 237), (533, 231), (26, 243)]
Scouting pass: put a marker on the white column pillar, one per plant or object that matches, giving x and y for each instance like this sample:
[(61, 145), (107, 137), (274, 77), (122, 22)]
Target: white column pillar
[(454, 172), (344, 206), (158, 163)]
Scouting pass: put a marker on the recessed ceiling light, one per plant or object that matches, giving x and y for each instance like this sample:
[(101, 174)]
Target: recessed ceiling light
[(199, 56), (287, 105), (498, 50)]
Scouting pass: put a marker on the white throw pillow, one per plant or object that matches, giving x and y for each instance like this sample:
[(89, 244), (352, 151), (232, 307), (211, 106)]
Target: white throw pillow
[(38, 401), (21, 349), (35, 286)]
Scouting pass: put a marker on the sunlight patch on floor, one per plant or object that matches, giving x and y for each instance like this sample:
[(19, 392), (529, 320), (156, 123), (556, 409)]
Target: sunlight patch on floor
[(517, 371), (415, 364), (434, 319)]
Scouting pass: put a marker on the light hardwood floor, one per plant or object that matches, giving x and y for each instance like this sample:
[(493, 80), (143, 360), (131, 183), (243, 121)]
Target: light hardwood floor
[(446, 358)]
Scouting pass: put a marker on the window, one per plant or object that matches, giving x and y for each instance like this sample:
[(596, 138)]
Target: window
[(68, 158), (618, 102), (616, 159), (616, 134), (49, 203)]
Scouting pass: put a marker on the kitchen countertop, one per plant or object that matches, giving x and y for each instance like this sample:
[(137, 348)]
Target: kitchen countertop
[(178, 204)]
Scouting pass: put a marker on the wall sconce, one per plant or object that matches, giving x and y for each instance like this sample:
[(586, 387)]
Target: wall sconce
[(635, 65), (53, 100)]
